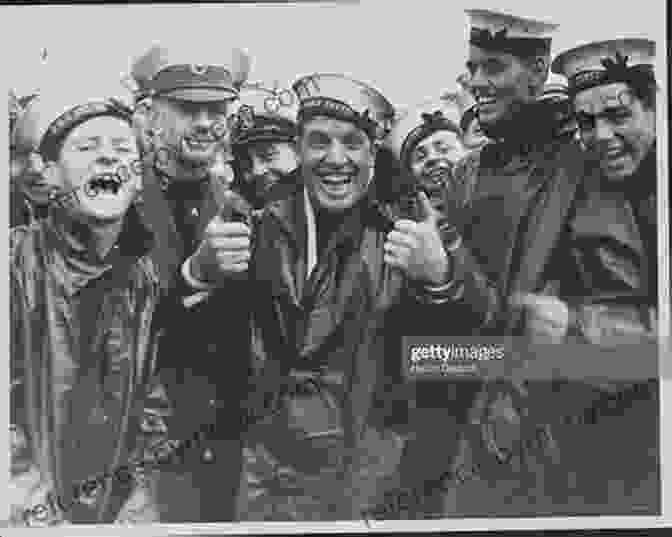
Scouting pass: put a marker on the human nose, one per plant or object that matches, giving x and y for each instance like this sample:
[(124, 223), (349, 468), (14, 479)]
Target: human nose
[(336, 154), (478, 82), (603, 130), (107, 155), (202, 119), (259, 167)]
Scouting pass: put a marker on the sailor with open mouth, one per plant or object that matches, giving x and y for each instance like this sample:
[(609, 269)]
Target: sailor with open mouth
[(428, 142)]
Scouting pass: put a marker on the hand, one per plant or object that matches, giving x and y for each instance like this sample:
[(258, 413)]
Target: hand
[(223, 252), (416, 247), (546, 317)]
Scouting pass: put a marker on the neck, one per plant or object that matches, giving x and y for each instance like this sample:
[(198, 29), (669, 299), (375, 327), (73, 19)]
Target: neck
[(530, 123), (643, 182), (94, 237)]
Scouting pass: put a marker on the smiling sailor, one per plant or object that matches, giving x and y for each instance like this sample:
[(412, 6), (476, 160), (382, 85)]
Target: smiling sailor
[(84, 294)]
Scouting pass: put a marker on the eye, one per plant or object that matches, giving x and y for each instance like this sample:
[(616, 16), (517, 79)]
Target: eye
[(418, 156), (585, 122), (493, 66), (353, 142), (619, 117), (86, 146), (318, 140)]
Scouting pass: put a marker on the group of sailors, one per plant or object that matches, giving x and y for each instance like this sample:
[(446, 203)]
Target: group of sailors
[(181, 262)]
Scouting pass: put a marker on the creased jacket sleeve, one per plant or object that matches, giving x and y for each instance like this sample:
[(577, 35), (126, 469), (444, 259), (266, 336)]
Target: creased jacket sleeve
[(468, 286)]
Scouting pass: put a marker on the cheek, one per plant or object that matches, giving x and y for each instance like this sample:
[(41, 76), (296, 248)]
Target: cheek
[(285, 163), (416, 168), (310, 158)]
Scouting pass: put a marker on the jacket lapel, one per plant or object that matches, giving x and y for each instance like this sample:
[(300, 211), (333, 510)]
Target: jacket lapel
[(156, 215), (554, 188), (286, 230)]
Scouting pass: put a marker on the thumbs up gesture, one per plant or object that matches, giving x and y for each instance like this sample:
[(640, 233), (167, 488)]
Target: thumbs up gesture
[(416, 247), (223, 252)]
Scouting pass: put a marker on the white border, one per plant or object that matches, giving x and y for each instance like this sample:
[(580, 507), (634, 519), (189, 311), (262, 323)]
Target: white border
[(428, 525)]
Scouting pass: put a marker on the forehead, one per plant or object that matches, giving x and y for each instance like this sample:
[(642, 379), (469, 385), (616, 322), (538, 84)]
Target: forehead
[(331, 126), (439, 137), (595, 100), (479, 55), (191, 106), (98, 127), (269, 146)]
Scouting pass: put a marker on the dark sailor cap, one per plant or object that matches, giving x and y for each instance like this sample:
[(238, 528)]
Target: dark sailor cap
[(500, 32), (345, 98)]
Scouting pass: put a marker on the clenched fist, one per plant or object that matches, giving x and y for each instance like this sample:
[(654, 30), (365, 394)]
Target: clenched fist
[(546, 317), (416, 247), (223, 252)]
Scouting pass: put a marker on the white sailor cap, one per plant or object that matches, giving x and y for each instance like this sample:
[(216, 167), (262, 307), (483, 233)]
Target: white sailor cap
[(606, 62), (500, 32), (211, 73), (420, 121), (265, 114), (345, 98)]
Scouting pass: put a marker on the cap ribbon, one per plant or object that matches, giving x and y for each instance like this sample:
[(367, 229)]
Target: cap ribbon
[(59, 128), (314, 106), (499, 42), (615, 70)]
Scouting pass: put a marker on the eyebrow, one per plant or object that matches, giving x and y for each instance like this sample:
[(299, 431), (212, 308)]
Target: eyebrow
[(606, 110), (122, 140)]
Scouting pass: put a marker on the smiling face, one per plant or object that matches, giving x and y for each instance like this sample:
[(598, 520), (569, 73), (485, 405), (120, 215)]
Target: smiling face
[(265, 163), (336, 159), (616, 127), (502, 84), (26, 170), (94, 167), (191, 129), (432, 160)]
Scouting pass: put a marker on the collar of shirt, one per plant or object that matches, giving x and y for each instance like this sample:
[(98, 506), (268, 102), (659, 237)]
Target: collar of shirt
[(74, 268)]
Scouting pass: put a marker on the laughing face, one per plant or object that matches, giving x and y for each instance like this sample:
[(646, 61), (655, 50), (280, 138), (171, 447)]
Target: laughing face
[(616, 127), (432, 160), (501, 83), (26, 170), (92, 170), (336, 159), (192, 130), (265, 163)]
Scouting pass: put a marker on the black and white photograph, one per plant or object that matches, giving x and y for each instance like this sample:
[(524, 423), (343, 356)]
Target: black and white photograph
[(318, 263)]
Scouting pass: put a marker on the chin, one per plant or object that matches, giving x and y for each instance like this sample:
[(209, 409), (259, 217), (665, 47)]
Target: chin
[(109, 211)]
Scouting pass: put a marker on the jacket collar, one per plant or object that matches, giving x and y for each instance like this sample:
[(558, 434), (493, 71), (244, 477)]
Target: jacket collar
[(288, 206), (74, 268)]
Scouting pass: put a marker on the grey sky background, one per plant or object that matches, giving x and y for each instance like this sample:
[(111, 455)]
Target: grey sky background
[(410, 50)]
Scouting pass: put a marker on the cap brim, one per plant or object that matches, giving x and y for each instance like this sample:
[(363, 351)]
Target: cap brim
[(201, 94)]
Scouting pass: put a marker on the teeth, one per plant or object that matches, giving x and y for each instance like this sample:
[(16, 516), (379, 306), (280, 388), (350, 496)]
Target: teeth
[(337, 179)]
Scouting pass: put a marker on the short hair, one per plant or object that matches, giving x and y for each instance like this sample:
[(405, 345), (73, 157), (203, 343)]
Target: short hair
[(645, 90)]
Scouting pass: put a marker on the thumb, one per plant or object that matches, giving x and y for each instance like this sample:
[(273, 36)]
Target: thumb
[(233, 206), (427, 212)]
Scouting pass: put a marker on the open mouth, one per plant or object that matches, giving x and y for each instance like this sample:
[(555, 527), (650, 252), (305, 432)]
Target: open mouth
[(336, 184), (438, 176), (197, 143), (104, 183), (484, 100), (615, 154)]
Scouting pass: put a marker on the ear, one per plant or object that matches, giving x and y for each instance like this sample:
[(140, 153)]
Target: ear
[(53, 174), (375, 146), (296, 146), (539, 66)]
